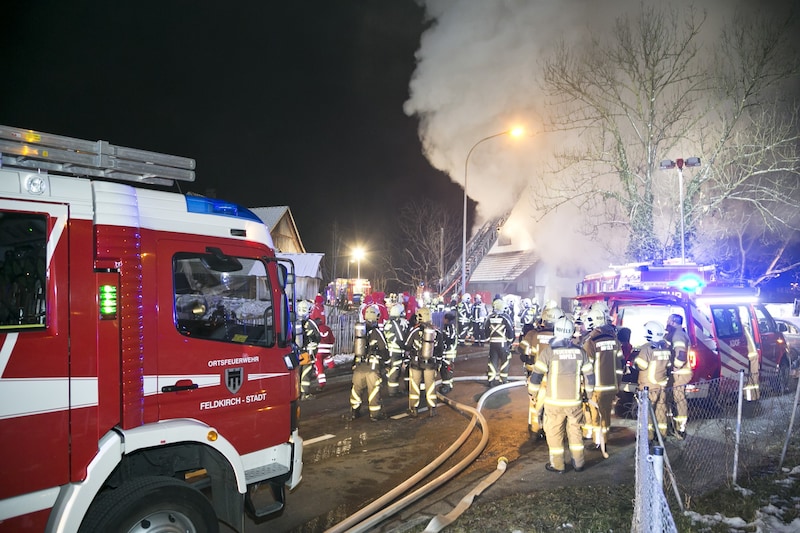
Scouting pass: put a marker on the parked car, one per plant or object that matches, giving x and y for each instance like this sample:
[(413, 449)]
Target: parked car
[(790, 327)]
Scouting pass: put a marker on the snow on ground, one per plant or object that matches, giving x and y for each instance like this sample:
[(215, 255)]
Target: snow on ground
[(769, 519)]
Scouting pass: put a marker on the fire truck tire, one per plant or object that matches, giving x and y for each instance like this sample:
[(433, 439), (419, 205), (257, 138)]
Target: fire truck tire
[(154, 503)]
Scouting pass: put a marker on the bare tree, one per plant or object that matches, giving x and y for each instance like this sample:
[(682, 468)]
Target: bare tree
[(648, 94), (427, 241)]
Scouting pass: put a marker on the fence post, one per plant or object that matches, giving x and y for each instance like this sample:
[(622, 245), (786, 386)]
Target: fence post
[(738, 426), (791, 421)]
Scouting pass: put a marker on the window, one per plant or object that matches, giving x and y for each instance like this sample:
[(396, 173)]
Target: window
[(23, 266), (634, 316), (727, 322), (223, 298), (765, 322)]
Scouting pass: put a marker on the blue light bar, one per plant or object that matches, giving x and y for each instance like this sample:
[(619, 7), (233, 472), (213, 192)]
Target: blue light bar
[(211, 206), (690, 282)]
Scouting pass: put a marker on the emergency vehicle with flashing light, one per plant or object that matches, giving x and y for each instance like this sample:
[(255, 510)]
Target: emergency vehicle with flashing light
[(730, 330), (148, 373)]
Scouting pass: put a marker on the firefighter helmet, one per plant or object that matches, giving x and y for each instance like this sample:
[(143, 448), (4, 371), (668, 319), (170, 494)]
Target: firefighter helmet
[(594, 319), (478, 298), (653, 332), (423, 315), (371, 314), (304, 308), (563, 328), (551, 314), (466, 297), (396, 311), (498, 305), (602, 307), (526, 303), (550, 304)]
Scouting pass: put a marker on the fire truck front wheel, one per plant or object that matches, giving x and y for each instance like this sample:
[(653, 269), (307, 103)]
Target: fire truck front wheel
[(153, 504)]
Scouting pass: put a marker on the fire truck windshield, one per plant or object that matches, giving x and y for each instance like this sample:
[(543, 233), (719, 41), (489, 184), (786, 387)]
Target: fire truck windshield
[(225, 306)]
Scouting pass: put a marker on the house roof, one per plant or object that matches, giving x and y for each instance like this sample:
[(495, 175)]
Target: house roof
[(271, 217), (305, 265), (506, 266)]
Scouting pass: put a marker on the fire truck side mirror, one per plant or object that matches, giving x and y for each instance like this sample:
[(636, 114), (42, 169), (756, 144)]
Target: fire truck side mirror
[(285, 334)]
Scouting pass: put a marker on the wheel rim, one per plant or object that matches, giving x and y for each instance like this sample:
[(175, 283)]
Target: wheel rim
[(164, 522)]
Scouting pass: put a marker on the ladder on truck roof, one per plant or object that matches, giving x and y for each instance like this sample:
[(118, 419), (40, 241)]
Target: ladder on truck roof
[(77, 157)]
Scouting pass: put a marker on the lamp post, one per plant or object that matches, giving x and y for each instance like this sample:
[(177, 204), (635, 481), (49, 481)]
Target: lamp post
[(358, 255), (679, 164), (516, 132)]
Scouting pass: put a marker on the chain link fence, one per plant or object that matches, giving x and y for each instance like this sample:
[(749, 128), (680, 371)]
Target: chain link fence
[(729, 439)]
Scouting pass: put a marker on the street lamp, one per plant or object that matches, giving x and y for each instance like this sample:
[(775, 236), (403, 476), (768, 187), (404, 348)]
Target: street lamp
[(679, 164), (516, 132), (358, 255)]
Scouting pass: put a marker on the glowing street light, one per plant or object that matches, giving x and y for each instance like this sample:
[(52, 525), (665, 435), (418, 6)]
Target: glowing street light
[(515, 132), (358, 255), (679, 164)]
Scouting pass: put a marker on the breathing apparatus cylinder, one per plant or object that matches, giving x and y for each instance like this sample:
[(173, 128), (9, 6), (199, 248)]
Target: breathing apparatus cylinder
[(428, 340), (360, 342)]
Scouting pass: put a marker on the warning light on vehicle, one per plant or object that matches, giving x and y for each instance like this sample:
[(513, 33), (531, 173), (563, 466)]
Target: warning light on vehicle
[(689, 283), (108, 302)]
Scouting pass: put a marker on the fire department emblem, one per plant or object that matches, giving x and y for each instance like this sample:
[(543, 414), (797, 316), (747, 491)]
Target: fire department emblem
[(234, 378)]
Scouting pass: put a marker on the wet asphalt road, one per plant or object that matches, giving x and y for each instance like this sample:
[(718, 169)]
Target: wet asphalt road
[(348, 464)]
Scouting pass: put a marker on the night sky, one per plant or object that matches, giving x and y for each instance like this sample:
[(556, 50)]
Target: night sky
[(280, 103)]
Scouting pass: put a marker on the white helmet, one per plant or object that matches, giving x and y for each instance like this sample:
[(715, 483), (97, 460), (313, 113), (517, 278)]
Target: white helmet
[(526, 303), (594, 318), (602, 307), (371, 314), (466, 297), (551, 314), (477, 297), (304, 308), (563, 328), (396, 311), (654, 332)]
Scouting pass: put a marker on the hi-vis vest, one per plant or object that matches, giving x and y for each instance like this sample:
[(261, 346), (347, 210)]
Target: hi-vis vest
[(604, 352), (562, 365), (653, 361)]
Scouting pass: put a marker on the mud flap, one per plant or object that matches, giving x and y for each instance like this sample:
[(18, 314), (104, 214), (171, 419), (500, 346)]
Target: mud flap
[(268, 507)]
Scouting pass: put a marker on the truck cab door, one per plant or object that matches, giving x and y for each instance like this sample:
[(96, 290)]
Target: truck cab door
[(732, 329), (767, 336)]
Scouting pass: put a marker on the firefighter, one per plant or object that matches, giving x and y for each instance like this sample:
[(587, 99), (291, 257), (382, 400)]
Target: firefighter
[(463, 312), (499, 331), (653, 363), (603, 350), (527, 316), (395, 331), (324, 357), (565, 366), (681, 371), (424, 345), (478, 319), (449, 352), (309, 344), (318, 309), (370, 353), (532, 345)]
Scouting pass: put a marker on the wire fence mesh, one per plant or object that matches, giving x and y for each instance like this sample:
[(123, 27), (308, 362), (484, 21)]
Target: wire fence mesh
[(728, 441)]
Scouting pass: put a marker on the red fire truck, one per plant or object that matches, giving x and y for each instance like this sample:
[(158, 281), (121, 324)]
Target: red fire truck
[(730, 330), (148, 375)]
